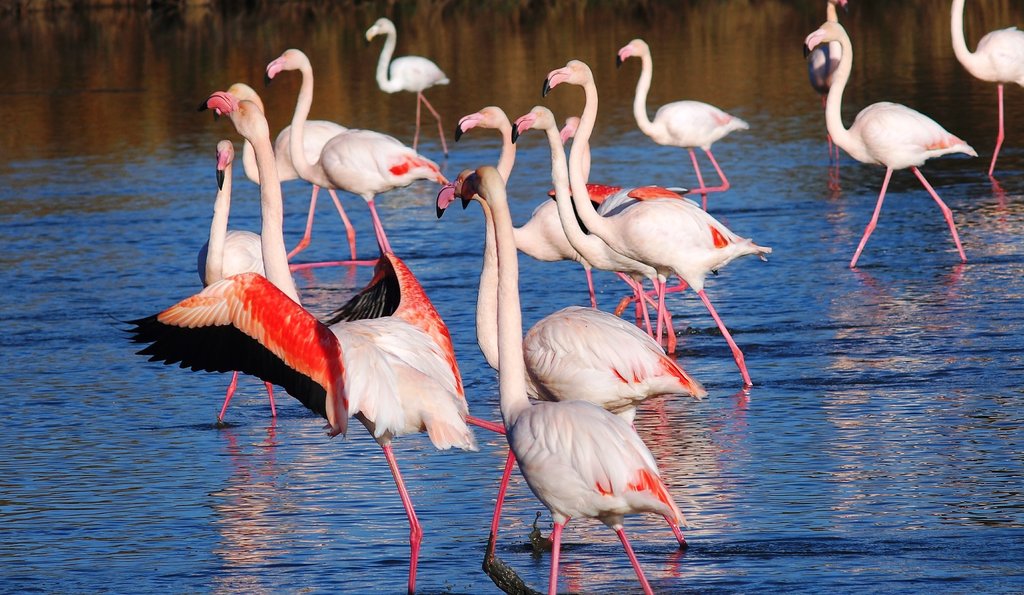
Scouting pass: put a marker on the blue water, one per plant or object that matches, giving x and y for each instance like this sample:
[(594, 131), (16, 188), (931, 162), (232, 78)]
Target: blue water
[(880, 449)]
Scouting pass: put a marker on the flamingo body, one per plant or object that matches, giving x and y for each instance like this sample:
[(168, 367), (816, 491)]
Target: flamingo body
[(692, 124), (242, 254)]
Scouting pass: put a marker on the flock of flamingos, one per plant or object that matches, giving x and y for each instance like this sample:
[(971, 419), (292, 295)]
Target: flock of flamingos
[(570, 388)]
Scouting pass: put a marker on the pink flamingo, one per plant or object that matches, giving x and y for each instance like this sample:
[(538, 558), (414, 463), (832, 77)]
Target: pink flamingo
[(318, 132), (884, 133), (998, 59), (399, 379), (578, 459), (675, 237), (822, 63), (229, 253), (686, 124), (407, 73), (362, 162)]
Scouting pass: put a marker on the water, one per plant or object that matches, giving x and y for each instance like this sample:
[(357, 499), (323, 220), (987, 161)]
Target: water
[(879, 450)]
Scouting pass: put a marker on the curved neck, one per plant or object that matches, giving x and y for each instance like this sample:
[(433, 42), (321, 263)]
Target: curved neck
[(956, 29), (384, 62), (303, 168), (580, 241), (830, 13), (487, 296), (577, 180), (833, 104), (249, 163), (511, 366), (508, 151), (218, 231), (275, 255), (643, 85)]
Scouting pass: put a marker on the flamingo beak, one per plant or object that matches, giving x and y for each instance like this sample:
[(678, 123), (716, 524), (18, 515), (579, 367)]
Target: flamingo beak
[(444, 198), (220, 179)]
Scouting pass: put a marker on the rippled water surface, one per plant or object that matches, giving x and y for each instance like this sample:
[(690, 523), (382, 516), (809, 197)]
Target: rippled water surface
[(880, 450)]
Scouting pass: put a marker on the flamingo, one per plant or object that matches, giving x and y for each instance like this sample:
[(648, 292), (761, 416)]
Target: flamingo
[(685, 124), (998, 59), (575, 353), (362, 162), (578, 459), (407, 73), (822, 63), (670, 235), (884, 133), (229, 253), (542, 236), (394, 374), (318, 132)]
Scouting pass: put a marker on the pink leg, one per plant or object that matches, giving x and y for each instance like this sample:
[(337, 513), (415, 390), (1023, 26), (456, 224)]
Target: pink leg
[(636, 563), (487, 425), (721, 175), (556, 546), (227, 396), (700, 181), (349, 230), (309, 225), (590, 285), (510, 462), (416, 137), (999, 138), (874, 219), (736, 353), (270, 395), (378, 227), (677, 532), (415, 531), (945, 212), (440, 130)]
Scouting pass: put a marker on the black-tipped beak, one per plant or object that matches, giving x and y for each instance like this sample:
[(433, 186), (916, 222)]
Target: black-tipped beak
[(266, 80), (515, 133), (465, 202), (458, 132), (439, 211), (807, 50), (547, 89), (618, 60), (220, 179), (202, 106)]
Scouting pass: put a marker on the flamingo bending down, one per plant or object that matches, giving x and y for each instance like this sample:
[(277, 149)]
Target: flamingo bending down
[(884, 133), (670, 235), (575, 353), (362, 162), (822, 64), (998, 59), (578, 459), (407, 73), (229, 253), (318, 132), (399, 378), (685, 124)]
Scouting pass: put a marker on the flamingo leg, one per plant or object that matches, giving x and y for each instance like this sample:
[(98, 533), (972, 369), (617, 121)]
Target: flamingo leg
[(378, 227), (556, 546), (349, 230), (636, 563), (700, 181), (492, 541), (487, 425), (416, 137), (415, 531), (736, 353), (270, 395), (874, 219), (721, 174), (590, 286), (946, 213), (440, 130), (227, 396), (304, 242), (999, 137)]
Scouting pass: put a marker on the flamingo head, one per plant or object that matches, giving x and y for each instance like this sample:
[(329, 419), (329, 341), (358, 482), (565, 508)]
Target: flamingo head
[(221, 102), (539, 117), (244, 92), (225, 155), (574, 72), (291, 59), (572, 124), (382, 25), (492, 117), (839, 3), (829, 31), (637, 47), (464, 187)]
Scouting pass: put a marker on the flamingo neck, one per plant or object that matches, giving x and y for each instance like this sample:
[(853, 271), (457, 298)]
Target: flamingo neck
[(508, 151), (577, 180), (643, 85), (956, 29), (830, 13), (850, 143), (384, 62), (580, 241), (487, 296), (511, 365), (249, 163), (303, 167), (275, 255), (218, 231)]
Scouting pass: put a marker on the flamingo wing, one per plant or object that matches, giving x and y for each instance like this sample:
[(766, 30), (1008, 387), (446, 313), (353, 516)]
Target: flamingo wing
[(381, 296), (1004, 51), (900, 137), (244, 323), (416, 73)]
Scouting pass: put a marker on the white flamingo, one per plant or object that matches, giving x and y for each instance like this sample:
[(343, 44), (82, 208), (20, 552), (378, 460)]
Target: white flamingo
[(884, 133), (685, 124), (363, 162), (670, 235), (578, 459), (414, 74), (998, 59), (318, 132)]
